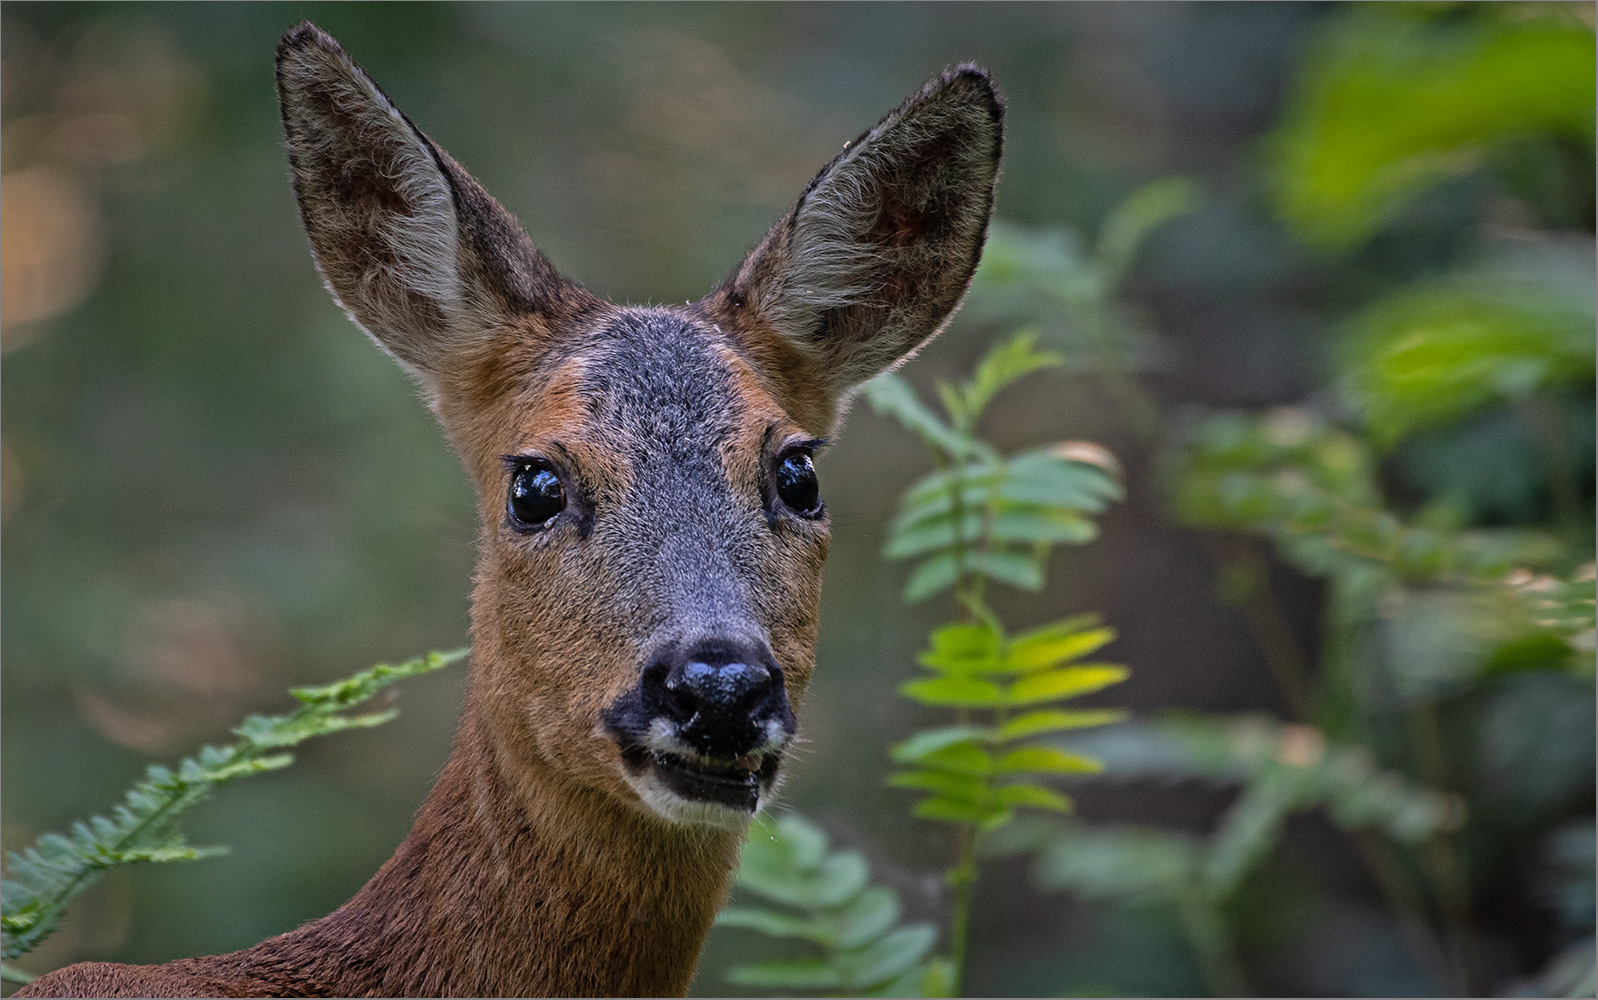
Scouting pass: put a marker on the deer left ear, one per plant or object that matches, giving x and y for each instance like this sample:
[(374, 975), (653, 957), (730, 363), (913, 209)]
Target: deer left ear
[(879, 250)]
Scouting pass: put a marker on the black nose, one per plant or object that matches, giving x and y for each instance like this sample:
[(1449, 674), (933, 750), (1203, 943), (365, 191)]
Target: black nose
[(722, 696)]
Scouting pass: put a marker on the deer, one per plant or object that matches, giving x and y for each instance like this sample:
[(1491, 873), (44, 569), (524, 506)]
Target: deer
[(645, 603)]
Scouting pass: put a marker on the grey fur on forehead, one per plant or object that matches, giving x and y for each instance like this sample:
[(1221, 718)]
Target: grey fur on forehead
[(657, 378)]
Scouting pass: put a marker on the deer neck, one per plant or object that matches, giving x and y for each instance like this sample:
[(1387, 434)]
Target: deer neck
[(517, 884)]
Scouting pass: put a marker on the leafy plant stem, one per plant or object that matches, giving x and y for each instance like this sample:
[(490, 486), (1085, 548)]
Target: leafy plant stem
[(1206, 932), (1439, 855), (963, 879), (17, 976), (1246, 584), (1564, 495), (1407, 906)]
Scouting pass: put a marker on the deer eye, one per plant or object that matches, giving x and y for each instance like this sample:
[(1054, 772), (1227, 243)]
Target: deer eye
[(536, 496), (797, 486)]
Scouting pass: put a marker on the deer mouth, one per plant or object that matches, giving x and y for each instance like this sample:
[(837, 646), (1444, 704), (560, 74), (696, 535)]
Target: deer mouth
[(732, 782)]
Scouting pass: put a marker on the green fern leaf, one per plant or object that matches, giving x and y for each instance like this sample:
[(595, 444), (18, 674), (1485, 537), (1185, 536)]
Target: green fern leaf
[(929, 741), (1036, 759), (774, 924), (872, 914), (1054, 720), (966, 787), (1003, 364), (959, 692), (47, 877), (1054, 644), (1035, 796), (1063, 682)]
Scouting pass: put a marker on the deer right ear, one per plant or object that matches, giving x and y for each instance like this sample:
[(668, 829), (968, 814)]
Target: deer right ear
[(877, 253), (412, 247)]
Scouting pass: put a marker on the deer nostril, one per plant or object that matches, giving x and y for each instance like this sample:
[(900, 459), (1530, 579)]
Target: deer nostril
[(718, 688)]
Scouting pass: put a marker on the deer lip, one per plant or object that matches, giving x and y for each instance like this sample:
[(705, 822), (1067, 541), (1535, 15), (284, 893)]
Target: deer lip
[(736, 781)]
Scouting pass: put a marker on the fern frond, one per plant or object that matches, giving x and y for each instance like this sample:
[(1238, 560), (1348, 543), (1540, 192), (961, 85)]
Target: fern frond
[(825, 898), (1313, 490), (43, 880), (982, 773)]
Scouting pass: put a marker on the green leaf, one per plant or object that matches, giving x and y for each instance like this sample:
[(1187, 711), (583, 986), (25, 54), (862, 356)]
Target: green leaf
[(963, 648), (45, 878), (869, 917), (1063, 682), (1039, 525), (1038, 759), (937, 573), (834, 881), (952, 810), (1053, 644), (892, 396), (1004, 363), (928, 741), (1139, 214), (792, 973), (1053, 720), (1035, 796), (1433, 353), (958, 786), (892, 955), (934, 493), (966, 692), (774, 924), (1046, 477), (961, 758), (1014, 568), (1388, 106)]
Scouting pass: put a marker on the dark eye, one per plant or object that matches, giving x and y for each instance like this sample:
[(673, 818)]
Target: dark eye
[(796, 484), (535, 496)]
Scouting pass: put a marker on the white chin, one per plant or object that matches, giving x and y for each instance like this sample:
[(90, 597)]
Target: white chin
[(666, 803)]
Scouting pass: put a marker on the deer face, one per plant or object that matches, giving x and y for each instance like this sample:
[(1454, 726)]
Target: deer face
[(653, 529)]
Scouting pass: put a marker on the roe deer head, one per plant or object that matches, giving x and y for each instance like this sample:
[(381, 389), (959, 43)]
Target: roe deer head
[(652, 536)]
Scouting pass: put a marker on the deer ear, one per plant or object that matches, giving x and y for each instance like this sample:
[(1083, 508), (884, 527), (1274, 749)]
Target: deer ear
[(879, 250), (412, 247)]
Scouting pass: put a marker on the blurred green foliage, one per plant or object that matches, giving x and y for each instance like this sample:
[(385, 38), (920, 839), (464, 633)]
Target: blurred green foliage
[(1390, 102), (1425, 728), (214, 487)]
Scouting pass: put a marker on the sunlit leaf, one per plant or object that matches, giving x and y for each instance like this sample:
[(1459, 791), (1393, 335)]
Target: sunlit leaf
[(1046, 760), (1054, 720), (967, 691), (1064, 682), (1050, 645), (1388, 106), (963, 648), (1035, 796), (962, 758), (1432, 353)]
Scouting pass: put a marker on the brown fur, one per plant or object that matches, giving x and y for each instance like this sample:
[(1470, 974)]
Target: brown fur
[(537, 866)]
